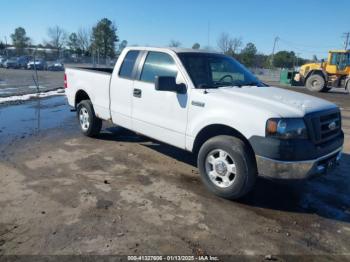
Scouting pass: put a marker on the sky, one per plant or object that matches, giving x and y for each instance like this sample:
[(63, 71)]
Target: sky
[(308, 27)]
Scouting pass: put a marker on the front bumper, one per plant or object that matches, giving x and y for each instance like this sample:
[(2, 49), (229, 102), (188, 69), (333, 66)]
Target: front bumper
[(297, 170)]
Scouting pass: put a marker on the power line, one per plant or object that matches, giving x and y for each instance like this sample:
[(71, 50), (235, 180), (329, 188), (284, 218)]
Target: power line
[(6, 46), (306, 46), (309, 51), (208, 33)]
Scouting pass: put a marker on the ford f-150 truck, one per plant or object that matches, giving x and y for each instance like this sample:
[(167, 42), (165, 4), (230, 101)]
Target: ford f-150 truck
[(209, 104)]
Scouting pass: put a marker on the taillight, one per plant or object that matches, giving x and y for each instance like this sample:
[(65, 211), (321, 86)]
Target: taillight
[(65, 81)]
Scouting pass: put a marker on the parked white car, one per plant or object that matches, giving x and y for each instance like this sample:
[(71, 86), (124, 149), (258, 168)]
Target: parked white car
[(38, 64), (55, 66), (209, 104)]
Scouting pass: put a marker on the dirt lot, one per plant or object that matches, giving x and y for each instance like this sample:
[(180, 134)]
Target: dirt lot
[(20, 81), (62, 193)]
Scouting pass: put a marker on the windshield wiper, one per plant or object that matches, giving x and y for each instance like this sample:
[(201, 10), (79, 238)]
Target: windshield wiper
[(218, 85), (246, 84), (251, 84), (205, 86)]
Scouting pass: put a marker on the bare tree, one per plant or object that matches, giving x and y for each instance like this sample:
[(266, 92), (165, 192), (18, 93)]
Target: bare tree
[(229, 45), (84, 39), (236, 43), (57, 37), (174, 43), (224, 42)]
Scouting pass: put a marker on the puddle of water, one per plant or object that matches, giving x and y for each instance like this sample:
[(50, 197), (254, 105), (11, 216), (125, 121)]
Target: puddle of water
[(33, 117)]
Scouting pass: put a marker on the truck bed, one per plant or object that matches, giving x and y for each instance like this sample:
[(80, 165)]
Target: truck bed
[(93, 81)]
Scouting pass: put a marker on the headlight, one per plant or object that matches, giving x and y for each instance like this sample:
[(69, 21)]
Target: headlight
[(286, 128)]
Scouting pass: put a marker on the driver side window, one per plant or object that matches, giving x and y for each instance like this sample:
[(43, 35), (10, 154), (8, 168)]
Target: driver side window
[(158, 64)]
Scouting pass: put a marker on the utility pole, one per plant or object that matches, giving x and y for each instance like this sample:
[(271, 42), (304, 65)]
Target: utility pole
[(274, 49), (208, 34), (346, 42), (298, 55), (7, 55)]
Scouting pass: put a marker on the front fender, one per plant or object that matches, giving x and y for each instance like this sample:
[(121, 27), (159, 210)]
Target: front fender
[(249, 123), (318, 71)]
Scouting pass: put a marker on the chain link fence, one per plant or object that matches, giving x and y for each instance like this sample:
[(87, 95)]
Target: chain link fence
[(269, 76), (20, 78), (40, 72)]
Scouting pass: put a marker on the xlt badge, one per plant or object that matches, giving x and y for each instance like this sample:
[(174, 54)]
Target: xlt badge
[(196, 103)]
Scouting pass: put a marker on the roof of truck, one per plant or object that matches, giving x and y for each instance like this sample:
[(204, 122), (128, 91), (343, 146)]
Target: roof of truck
[(174, 49)]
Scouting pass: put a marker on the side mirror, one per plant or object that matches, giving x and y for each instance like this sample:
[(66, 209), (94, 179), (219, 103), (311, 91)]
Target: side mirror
[(168, 83)]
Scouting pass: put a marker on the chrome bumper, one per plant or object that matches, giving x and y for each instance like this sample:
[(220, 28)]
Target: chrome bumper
[(297, 169)]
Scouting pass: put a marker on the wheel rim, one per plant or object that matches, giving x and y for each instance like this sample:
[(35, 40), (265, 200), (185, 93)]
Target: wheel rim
[(316, 84), (84, 119), (220, 168)]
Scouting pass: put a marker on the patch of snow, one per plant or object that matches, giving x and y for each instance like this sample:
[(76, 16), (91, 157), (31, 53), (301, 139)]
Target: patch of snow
[(30, 96)]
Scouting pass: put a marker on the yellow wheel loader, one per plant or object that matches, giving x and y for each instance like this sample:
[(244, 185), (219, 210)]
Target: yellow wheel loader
[(321, 77)]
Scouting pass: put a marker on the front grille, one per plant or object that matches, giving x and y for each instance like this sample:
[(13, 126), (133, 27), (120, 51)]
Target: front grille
[(324, 126), (330, 125)]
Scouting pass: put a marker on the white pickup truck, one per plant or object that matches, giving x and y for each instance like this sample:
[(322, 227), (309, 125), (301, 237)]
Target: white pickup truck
[(209, 104)]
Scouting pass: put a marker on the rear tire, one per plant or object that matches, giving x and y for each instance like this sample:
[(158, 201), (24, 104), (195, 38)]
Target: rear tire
[(227, 167), (316, 83), (90, 125)]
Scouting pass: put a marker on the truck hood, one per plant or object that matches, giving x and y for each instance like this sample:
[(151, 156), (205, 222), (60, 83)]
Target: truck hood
[(280, 101)]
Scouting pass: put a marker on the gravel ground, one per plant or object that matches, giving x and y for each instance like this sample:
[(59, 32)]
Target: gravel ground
[(15, 82), (63, 194), (20, 82)]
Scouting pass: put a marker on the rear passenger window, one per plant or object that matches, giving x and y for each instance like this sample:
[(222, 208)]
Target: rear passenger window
[(158, 64), (128, 64)]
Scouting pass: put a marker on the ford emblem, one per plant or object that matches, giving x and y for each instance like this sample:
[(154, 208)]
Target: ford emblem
[(332, 126)]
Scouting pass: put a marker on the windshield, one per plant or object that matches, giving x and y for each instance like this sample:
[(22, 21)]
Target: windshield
[(215, 70), (342, 60)]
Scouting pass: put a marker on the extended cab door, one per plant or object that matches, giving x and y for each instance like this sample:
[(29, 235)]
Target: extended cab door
[(121, 88), (159, 114)]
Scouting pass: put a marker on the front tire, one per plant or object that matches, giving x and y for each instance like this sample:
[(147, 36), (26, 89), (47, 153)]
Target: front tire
[(90, 125), (316, 83), (227, 167), (347, 87)]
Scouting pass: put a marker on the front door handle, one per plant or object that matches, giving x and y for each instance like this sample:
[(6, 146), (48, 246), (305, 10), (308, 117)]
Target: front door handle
[(137, 92)]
